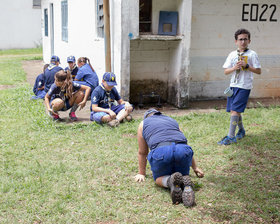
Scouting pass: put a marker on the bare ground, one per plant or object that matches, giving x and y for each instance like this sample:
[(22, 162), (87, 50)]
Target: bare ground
[(34, 67)]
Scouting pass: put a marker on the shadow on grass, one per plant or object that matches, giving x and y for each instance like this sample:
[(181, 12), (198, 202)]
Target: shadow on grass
[(248, 189)]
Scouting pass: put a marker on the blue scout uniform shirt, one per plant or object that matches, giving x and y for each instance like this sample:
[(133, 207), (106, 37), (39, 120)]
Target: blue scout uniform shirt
[(49, 75), (39, 83), (86, 74), (161, 128), (56, 92), (104, 98), (73, 72)]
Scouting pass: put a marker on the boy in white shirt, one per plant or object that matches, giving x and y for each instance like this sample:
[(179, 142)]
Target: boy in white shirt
[(241, 63)]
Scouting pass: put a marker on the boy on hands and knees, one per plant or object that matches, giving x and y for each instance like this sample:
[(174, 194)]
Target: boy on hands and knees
[(103, 97), (170, 157), (241, 63)]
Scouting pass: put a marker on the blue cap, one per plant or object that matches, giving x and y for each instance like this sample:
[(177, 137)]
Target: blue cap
[(71, 59), (110, 78), (152, 110), (55, 58)]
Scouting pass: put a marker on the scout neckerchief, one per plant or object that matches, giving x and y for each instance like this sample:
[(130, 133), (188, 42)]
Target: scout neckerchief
[(237, 72), (71, 70), (108, 96), (51, 66)]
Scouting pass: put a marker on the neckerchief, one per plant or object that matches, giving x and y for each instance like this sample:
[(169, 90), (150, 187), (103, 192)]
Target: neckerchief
[(108, 96), (240, 54), (71, 70), (51, 66)]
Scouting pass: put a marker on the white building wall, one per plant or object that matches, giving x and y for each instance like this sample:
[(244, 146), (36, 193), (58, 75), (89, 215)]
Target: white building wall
[(82, 34), (214, 23), (20, 24)]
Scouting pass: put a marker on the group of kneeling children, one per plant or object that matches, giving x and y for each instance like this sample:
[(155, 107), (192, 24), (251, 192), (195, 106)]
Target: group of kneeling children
[(70, 88)]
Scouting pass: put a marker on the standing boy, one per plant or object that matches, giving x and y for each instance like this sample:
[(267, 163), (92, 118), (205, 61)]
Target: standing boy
[(242, 63), (103, 109)]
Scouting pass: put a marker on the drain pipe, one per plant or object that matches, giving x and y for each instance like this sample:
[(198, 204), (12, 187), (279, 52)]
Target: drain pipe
[(107, 38)]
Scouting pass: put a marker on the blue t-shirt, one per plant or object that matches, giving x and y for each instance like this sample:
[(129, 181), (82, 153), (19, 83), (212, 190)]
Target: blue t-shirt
[(161, 128), (73, 72), (49, 75), (39, 83), (104, 98), (56, 92), (86, 74)]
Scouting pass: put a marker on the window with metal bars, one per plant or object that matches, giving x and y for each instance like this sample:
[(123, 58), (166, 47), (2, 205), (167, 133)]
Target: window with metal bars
[(100, 18)]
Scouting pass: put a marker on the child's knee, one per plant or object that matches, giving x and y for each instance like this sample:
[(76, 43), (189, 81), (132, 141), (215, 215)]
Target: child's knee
[(57, 104), (106, 119)]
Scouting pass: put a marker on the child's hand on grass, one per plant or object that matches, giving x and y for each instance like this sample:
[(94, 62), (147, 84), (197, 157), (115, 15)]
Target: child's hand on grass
[(139, 178)]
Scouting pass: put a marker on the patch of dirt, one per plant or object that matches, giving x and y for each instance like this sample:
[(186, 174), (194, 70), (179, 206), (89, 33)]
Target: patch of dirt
[(35, 67), (6, 86)]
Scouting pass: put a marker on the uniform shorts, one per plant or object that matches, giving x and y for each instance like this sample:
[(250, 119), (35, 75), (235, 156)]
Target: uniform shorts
[(238, 101), (166, 160), (97, 116)]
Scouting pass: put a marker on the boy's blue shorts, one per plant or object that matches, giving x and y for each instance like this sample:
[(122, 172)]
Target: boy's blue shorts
[(238, 101), (166, 160), (97, 116)]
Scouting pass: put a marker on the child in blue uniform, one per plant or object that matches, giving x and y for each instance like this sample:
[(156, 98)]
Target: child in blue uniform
[(242, 64), (38, 88), (65, 94), (170, 157), (103, 109), (49, 73), (72, 67), (86, 74)]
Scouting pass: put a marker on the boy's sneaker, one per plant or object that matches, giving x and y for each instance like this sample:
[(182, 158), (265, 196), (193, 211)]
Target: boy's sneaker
[(55, 117), (72, 116), (187, 186), (227, 141), (240, 134), (174, 183), (128, 118), (113, 123)]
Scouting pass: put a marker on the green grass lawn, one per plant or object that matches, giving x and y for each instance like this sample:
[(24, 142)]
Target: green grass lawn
[(83, 173)]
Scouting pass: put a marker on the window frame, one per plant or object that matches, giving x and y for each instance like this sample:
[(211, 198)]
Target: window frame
[(64, 20), (46, 22)]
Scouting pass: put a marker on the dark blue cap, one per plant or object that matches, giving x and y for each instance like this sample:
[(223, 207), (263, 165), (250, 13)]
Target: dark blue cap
[(152, 110), (55, 58), (110, 78), (71, 59)]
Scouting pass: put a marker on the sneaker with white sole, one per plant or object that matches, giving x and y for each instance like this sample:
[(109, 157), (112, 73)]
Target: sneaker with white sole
[(128, 118), (113, 123)]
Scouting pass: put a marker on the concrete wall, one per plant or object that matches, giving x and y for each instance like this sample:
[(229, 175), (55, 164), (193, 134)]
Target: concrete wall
[(161, 65), (212, 39), (82, 34), (150, 63), (20, 24)]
